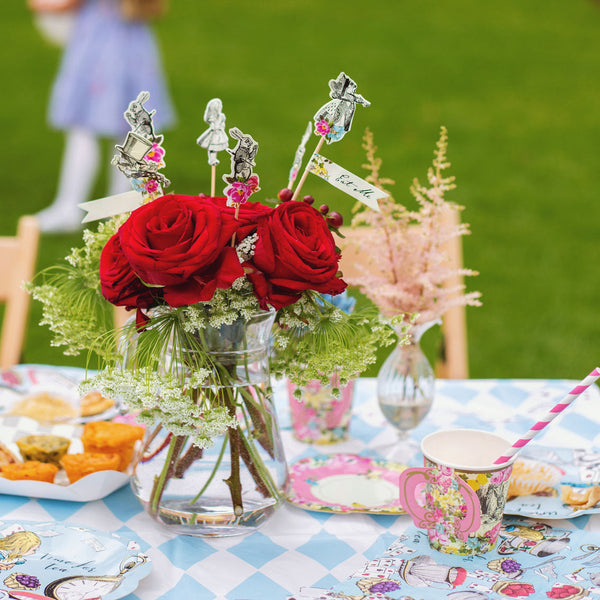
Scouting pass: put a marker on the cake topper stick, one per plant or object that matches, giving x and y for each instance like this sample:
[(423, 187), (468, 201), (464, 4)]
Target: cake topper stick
[(334, 119), (141, 155), (298, 156), (306, 171), (139, 158), (242, 181), (339, 111), (214, 139)]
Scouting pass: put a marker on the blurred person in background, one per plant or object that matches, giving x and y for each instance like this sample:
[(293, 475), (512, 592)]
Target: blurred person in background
[(110, 56)]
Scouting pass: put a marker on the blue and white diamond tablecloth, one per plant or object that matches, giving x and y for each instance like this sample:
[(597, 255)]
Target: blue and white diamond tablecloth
[(298, 548)]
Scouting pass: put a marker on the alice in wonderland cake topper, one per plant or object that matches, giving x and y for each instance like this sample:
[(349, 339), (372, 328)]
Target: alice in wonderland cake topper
[(334, 119), (140, 159), (214, 139), (242, 181), (299, 155), (140, 119), (141, 155)]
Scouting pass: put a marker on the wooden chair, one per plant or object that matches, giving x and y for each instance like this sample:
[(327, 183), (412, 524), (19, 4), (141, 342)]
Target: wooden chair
[(452, 361), (17, 264)]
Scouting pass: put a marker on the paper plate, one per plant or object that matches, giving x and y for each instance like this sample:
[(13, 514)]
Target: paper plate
[(345, 483), (28, 380), (579, 468), (64, 561), (91, 487)]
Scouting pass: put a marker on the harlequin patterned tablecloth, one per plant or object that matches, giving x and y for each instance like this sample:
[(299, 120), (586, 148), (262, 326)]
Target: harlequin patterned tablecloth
[(302, 549)]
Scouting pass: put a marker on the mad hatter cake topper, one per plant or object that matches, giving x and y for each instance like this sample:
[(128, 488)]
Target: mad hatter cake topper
[(139, 159), (214, 139), (332, 121), (142, 155)]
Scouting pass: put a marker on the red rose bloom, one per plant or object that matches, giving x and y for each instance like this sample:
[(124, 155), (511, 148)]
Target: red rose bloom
[(119, 284), (295, 252), (181, 244)]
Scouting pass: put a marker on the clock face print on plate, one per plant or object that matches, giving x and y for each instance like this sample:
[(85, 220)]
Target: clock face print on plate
[(63, 561)]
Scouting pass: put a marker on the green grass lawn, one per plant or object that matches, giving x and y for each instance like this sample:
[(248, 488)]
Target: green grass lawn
[(516, 83)]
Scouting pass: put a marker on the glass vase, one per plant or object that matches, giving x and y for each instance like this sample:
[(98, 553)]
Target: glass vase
[(232, 487), (405, 383)]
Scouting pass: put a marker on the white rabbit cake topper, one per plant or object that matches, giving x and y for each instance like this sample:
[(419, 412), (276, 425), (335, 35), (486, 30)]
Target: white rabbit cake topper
[(242, 156)]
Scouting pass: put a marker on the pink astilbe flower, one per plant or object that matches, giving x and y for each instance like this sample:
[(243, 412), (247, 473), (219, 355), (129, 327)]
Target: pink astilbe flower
[(410, 268)]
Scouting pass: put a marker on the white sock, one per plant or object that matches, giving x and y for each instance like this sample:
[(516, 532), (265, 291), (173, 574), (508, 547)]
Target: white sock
[(117, 182), (77, 176), (78, 170)]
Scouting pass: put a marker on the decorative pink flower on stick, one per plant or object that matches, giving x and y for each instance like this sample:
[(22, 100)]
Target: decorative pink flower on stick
[(322, 128), (155, 154)]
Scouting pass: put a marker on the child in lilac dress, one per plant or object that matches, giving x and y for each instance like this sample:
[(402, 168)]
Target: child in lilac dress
[(106, 63)]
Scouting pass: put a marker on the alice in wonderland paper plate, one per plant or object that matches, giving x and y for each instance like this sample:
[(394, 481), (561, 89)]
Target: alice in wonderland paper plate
[(51, 395), (555, 483), (345, 483), (63, 561)]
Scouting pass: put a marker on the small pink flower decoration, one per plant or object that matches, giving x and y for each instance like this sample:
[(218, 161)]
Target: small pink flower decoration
[(155, 154), (238, 192), (322, 128), (151, 186)]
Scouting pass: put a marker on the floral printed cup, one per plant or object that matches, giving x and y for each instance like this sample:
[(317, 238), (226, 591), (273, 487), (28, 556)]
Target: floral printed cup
[(459, 496), (318, 417)]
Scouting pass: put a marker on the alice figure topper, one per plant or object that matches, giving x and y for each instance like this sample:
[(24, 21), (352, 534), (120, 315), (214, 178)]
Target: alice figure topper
[(339, 112), (214, 139)]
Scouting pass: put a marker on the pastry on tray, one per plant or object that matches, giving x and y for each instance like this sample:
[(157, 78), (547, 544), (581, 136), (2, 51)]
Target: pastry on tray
[(580, 497), (43, 447), (94, 403), (45, 407), (533, 477), (6, 456), (79, 465), (110, 437), (31, 469)]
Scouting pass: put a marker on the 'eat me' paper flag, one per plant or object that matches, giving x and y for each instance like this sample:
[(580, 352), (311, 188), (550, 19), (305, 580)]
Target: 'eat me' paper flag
[(111, 205), (347, 182)]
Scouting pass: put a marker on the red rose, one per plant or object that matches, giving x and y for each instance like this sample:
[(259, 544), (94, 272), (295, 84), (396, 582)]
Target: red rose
[(119, 284), (181, 243), (295, 252)]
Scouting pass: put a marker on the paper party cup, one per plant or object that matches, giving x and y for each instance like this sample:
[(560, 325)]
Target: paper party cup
[(459, 495)]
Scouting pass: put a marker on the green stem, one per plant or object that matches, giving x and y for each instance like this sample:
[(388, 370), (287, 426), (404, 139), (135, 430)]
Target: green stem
[(213, 472), (262, 477), (160, 482)]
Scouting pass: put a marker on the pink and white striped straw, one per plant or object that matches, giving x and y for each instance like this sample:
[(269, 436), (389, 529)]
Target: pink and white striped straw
[(552, 414)]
